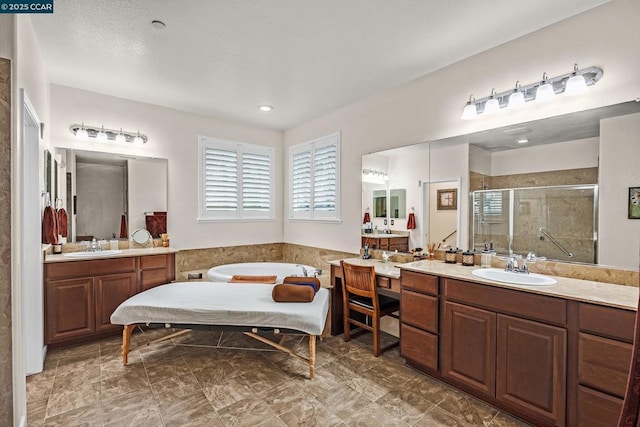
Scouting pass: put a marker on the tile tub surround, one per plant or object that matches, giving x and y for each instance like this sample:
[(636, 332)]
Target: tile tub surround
[(6, 372), (171, 385)]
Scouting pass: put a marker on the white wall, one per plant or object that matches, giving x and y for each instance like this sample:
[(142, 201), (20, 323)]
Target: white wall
[(172, 135), (619, 239), (581, 153), (429, 108), (6, 35)]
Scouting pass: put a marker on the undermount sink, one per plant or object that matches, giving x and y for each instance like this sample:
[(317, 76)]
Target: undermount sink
[(500, 275), (92, 254)]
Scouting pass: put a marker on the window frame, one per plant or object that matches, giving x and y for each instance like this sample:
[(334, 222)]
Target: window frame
[(311, 146), (240, 148)]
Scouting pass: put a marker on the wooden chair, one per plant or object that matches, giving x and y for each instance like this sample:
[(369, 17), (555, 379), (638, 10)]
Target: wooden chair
[(360, 295)]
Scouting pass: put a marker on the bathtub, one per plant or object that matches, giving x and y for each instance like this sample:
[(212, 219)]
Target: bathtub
[(223, 273)]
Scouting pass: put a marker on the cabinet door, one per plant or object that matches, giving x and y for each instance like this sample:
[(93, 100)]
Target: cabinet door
[(531, 368), (469, 346), (69, 308), (111, 291), (418, 346)]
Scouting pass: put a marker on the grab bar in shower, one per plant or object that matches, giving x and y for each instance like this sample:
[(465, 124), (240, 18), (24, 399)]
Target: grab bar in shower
[(555, 242), (450, 234)]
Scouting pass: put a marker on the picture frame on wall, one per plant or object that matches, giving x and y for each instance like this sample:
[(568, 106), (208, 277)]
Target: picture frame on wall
[(634, 202), (447, 199)]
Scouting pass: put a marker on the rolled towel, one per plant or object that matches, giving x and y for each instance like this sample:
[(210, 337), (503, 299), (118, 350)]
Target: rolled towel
[(292, 293), (244, 278), (313, 282)]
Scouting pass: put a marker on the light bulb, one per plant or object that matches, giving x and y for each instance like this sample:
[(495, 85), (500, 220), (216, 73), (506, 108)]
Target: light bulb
[(120, 138), (102, 136), (82, 133), (470, 112), (576, 83), (138, 139), (492, 105), (545, 91), (516, 99)]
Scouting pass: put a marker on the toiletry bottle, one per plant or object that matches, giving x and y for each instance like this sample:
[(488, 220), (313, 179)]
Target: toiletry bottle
[(485, 258)]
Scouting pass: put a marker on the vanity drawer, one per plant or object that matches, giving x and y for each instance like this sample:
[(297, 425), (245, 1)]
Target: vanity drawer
[(604, 364), (522, 304), (153, 261), (419, 282), (96, 267), (383, 282), (419, 310), (607, 321), (597, 409), (419, 347), (151, 278)]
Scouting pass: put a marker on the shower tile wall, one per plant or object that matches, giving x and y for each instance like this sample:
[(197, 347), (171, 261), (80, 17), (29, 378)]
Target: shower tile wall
[(6, 382)]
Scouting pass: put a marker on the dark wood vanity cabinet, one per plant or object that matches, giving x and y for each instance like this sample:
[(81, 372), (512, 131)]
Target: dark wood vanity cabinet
[(508, 345), (80, 296), (419, 320), (378, 241), (604, 357)]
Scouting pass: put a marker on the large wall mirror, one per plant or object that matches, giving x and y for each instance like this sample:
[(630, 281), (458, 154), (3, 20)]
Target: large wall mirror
[(533, 186), (111, 195)]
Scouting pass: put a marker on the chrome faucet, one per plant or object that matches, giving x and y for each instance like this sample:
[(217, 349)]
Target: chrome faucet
[(512, 264), (304, 270)]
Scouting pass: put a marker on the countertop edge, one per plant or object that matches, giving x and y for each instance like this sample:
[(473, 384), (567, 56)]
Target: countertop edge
[(126, 253)]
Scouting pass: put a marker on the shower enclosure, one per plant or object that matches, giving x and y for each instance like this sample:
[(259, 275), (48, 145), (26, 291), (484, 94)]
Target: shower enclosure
[(558, 222)]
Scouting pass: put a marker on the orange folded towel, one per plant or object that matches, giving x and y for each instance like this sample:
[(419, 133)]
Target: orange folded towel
[(292, 293), (243, 278)]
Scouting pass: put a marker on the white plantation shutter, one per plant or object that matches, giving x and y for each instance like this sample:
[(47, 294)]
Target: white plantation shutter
[(315, 179), (236, 180)]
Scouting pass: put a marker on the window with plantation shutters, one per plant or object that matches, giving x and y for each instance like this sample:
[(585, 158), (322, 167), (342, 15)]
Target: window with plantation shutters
[(315, 179), (236, 180)]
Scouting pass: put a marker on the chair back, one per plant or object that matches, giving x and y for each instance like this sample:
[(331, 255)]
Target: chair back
[(359, 280)]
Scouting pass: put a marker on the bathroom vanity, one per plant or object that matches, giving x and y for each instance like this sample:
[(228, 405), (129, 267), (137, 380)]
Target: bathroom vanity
[(386, 242), (552, 355), (80, 293)]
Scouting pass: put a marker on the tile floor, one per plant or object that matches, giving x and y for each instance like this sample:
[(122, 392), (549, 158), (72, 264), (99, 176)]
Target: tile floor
[(189, 385)]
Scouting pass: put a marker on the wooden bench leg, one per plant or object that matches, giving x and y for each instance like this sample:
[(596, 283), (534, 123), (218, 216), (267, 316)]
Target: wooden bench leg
[(312, 355), (126, 342)]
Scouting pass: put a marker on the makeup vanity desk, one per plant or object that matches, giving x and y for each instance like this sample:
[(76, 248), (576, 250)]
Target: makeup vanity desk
[(387, 280)]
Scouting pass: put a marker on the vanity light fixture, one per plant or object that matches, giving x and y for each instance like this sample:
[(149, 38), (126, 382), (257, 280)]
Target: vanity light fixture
[(102, 136), (545, 91), (92, 133), (493, 105), (547, 88), (516, 99), (576, 83), (81, 132), (120, 138), (375, 174)]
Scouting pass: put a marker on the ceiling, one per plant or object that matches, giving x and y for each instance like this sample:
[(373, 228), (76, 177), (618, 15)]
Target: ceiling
[(223, 58)]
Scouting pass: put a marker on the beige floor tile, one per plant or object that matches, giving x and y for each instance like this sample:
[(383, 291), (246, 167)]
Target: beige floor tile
[(173, 389), (228, 391), (186, 410), (405, 404), (159, 372), (248, 412), (505, 420), (88, 416), (439, 417), (310, 412), (344, 401), (72, 398), (467, 408), (374, 415), (131, 409), (36, 409), (129, 382)]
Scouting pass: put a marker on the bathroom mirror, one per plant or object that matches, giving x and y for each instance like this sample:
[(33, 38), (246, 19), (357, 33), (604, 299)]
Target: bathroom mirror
[(397, 203), (141, 236), (380, 203), (107, 194), (562, 150)]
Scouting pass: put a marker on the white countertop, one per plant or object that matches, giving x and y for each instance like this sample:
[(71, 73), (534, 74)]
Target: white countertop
[(608, 294), (387, 269), (383, 235), (125, 253)]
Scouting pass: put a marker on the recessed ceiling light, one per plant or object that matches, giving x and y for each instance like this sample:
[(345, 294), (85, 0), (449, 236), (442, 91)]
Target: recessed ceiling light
[(523, 141), (265, 108), (158, 24)]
